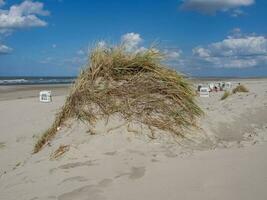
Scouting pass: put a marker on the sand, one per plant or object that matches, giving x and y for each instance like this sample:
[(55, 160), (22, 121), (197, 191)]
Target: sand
[(27, 91), (224, 159)]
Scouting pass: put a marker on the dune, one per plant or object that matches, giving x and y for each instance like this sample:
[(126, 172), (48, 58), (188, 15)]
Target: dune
[(133, 86), (223, 157)]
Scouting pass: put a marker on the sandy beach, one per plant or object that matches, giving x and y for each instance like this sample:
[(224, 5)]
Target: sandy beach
[(224, 159), (133, 100), (12, 92)]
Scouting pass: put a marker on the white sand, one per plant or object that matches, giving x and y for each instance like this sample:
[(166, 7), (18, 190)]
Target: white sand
[(225, 159)]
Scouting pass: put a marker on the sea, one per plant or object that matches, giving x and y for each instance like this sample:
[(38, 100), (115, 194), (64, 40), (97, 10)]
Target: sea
[(35, 80), (29, 80)]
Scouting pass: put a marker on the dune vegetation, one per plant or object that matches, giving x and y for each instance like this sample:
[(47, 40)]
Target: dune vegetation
[(225, 95), (135, 85), (240, 88)]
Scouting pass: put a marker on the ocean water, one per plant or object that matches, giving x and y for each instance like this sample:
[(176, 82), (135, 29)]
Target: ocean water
[(35, 80), (66, 80)]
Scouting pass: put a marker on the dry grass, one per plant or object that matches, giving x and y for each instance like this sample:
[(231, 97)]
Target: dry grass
[(136, 86), (2, 145), (240, 88), (225, 95), (60, 151)]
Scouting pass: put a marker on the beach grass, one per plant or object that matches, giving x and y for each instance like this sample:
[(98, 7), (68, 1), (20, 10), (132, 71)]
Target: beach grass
[(62, 149), (2, 145), (135, 85), (240, 88), (225, 95)]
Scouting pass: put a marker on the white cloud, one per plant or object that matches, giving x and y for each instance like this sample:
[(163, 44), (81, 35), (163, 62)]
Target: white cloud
[(23, 15), (201, 52), (235, 52), (235, 33), (251, 45), (173, 54), (237, 12), (5, 49), (80, 52), (5, 32), (212, 6), (131, 41), (76, 60), (101, 44), (2, 2)]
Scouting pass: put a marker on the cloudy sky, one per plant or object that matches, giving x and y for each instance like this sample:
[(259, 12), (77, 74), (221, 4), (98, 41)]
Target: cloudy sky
[(199, 37)]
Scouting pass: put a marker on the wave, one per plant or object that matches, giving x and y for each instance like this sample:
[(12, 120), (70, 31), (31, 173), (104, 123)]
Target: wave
[(13, 81), (35, 80)]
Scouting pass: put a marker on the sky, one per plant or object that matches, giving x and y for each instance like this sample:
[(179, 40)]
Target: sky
[(198, 37)]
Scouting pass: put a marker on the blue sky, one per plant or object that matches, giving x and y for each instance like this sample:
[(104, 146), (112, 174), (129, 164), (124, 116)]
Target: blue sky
[(199, 37)]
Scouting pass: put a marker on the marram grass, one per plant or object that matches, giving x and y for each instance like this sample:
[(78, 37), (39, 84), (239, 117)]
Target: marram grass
[(135, 85), (240, 88), (225, 95)]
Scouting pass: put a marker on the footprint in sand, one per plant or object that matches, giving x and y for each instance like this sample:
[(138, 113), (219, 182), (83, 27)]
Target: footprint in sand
[(89, 192), (136, 152), (34, 198), (21, 139), (73, 165), (105, 182), (136, 173), (170, 154), (77, 164), (110, 153), (75, 178)]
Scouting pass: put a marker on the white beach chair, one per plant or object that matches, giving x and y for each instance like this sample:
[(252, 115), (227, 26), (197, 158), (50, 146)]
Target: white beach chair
[(228, 85), (211, 86), (45, 96), (204, 92), (199, 86)]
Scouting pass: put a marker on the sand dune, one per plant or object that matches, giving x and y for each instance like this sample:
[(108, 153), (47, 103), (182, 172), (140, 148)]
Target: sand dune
[(224, 159)]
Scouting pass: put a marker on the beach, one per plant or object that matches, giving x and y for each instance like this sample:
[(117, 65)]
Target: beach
[(225, 158), (11, 92)]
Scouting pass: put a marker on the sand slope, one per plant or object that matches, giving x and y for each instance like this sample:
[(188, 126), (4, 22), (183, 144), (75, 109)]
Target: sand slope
[(225, 159)]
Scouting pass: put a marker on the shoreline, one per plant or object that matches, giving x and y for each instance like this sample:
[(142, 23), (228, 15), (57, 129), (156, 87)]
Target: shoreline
[(224, 159), (22, 91), (12, 92)]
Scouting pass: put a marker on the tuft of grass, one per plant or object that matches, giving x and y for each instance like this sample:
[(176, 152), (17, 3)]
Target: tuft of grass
[(225, 95), (62, 149), (240, 88), (135, 85), (2, 145)]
